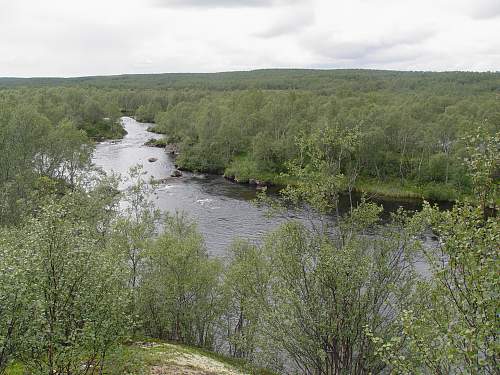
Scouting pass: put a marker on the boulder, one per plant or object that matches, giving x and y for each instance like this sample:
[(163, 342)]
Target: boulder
[(262, 185), (176, 173), (160, 180), (172, 149)]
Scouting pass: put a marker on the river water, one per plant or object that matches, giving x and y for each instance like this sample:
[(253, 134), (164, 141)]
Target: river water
[(223, 210)]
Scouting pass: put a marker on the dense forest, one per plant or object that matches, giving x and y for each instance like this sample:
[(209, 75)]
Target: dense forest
[(87, 269), (406, 126)]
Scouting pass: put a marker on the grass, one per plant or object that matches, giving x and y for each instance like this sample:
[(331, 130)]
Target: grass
[(15, 369), (408, 190), (159, 357), (392, 189)]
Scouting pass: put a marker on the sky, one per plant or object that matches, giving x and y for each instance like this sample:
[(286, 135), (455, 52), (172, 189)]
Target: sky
[(67, 38)]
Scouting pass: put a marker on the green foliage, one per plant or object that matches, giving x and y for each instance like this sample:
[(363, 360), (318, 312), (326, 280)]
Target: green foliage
[(73, 304), (439, 192), (452, 326), (324, 168), (127, 360), (15, 369), (179, 296), (244, 286), (15, 294), (483, 160), (38, 141), (135, 227), (243, 169), (95, 112), (161, 143), (411, 137), (323, 290)]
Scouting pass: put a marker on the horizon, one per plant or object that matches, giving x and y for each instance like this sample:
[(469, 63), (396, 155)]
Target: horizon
[(250, 71)]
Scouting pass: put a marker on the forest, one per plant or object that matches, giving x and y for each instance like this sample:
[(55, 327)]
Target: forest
[(87, 269), (247, 125)]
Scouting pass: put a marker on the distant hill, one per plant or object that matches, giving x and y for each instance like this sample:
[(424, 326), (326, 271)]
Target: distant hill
[(282, 79)]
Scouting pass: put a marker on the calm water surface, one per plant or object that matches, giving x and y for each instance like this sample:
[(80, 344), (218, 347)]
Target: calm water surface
[(222, 209)]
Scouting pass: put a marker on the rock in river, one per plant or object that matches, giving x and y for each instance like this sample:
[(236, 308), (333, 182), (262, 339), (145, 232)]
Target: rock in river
[(176, 173)]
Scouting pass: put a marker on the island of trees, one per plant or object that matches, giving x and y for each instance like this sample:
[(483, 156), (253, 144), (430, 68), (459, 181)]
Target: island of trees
[(87, 270)]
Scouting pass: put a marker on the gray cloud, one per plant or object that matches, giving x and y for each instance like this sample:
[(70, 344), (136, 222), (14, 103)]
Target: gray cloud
[(291, 24), (485, 9), (366, 50), (221, 3)]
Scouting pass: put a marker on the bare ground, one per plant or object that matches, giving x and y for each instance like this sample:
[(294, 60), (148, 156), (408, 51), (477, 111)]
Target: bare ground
[(170, 359)]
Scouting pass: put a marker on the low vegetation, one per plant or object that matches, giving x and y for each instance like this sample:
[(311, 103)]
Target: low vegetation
[(161, 358)]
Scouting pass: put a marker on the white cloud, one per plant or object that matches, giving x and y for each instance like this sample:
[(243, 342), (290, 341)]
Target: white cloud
[(68, 38), (221, 3)]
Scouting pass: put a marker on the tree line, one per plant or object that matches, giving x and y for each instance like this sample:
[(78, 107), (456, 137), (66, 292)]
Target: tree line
[(322, 81)]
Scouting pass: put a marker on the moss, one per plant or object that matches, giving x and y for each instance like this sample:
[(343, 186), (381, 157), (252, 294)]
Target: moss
[(15, 369)]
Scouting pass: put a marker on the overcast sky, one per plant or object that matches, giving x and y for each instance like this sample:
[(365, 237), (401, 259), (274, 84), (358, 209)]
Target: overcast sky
[(75, 38)]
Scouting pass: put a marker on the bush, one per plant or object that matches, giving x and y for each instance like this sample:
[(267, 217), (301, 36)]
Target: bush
[(179, 292)]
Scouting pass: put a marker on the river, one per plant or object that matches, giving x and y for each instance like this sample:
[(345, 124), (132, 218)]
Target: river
[(223, 209)]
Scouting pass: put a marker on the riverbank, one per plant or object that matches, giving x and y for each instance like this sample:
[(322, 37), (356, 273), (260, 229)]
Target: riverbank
[(243, 171), (409, 190)]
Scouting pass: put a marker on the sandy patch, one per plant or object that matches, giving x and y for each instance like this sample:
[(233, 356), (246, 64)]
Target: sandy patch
[(174, 361)]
